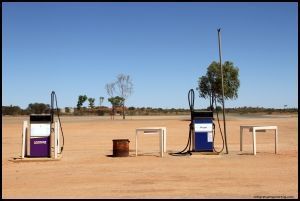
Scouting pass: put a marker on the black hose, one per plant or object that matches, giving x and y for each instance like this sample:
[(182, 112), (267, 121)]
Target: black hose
[(187, 149), (191, 98), (52, 106), (220, 131), (53, 95)]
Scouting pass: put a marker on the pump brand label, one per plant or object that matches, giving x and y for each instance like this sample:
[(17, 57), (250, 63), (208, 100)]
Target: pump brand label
[(209, 137), (40, 142), (203, 127)]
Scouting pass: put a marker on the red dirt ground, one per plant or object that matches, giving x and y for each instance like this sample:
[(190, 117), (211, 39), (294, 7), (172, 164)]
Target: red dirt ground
[(85, 171)]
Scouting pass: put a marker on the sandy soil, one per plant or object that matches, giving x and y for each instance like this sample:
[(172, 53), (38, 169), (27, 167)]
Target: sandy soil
[(85, 170)]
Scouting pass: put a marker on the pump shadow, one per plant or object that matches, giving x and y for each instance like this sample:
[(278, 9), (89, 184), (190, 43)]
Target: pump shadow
[(26, 159), (258, 153), (130, 154), (149, 154), (185, 119), (246, 154), (112, 156)]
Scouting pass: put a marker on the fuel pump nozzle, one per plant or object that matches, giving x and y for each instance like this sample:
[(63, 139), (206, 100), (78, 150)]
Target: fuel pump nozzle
[(53, 96), (52, 106)]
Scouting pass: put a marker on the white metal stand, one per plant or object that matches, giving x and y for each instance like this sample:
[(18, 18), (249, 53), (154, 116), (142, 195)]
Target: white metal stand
[(254, 130), (162, 131), (24, 134)]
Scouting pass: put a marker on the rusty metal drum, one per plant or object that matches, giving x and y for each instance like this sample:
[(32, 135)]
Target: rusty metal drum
[(121, 147)]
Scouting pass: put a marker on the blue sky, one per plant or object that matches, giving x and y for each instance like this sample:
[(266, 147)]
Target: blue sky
[(77, 48)]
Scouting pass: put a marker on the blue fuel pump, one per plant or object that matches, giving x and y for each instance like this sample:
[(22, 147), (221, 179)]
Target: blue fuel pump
[(201, 130)]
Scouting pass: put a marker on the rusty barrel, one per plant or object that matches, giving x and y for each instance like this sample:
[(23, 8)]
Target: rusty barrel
[(121, 147)]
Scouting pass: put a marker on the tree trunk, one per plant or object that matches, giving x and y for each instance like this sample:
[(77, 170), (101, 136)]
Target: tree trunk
[(113, 112), (123, 111)]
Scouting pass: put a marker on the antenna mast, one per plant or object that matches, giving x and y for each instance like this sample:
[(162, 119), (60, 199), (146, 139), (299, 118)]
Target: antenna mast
[(223, 107)]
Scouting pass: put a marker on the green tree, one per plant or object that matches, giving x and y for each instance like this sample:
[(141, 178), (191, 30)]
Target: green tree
[(11, 110), (210, 85), (38, 108), (81, 100), (67, 109), (91, 102), (116, 101)]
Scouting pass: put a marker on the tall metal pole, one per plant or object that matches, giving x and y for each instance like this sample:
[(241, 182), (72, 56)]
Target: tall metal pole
[(224, 121)]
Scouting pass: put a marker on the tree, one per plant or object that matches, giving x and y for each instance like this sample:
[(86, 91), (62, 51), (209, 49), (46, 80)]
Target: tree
[(210, 85), (116, 102), (38, 108), (101, 100), (110, 88), (91, 103), (110, 91), (124, 88), (81, 100), (11, 110)]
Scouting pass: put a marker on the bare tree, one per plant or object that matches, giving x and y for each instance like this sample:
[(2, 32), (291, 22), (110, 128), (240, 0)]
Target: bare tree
[(124, 88), (110, 88)]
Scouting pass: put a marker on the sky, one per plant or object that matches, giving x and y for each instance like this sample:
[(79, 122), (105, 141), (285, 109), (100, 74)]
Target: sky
[(77, 48)]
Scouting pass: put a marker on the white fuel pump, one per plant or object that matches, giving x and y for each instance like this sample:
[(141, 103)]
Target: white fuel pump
[(41, 132)]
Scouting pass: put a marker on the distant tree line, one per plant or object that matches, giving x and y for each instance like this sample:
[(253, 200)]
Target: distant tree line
[(33, 108), (13, 110), (118, 91), (245, 110), (39, 108)]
